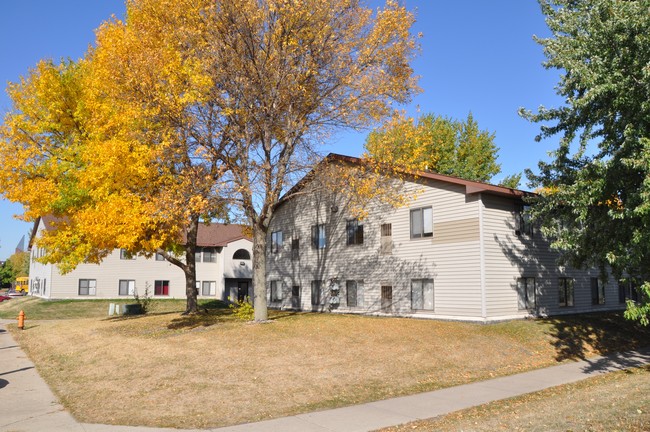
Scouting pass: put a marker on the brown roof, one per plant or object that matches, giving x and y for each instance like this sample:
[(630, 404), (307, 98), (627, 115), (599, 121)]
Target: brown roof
[(471, 186), (212, 235), (217, 234)]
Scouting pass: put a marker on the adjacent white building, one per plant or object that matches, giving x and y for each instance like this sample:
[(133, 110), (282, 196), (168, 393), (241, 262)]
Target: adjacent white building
[(459, 250), (223, 269)]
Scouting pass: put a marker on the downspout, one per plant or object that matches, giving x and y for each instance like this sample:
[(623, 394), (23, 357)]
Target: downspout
[(482, 258)]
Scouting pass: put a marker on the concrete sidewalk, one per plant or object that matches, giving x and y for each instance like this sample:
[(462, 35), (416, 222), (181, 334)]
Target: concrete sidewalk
[(28, 405)]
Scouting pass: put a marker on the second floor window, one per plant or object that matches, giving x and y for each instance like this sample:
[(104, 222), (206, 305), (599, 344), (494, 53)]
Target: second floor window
[(125, 255), (209, 255), (276, 241), (354, 231), (318, 239), (523, 222), (422, 222)]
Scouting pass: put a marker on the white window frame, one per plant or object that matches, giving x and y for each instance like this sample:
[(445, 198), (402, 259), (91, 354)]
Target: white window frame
[(276, 291), (90, 287), (526, 287), (422, 294), (566, 292), (421, 222), (129, 284)]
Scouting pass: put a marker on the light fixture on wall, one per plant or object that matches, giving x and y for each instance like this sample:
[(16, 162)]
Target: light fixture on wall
[(242, 263)]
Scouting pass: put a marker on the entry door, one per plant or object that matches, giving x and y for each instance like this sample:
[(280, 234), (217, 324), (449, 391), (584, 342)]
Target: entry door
[(242, 291)]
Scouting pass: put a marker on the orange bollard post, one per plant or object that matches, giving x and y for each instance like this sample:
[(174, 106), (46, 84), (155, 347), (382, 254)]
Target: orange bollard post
[(21, 320)]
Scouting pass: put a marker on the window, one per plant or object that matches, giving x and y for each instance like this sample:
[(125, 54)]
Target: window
[(386, 297), (295, 248), (209, 255), (354, 293), (422, 222), (315, 292), (161, 288), (159, 257), (627, 291), (523, 223), (276, 291), (318, 239), (209, 288), (126, 287), (597, 292), (241, 254), (422, 294), (386, 245), (276, 241), (526, 293), (354, 231), (125, 255), (87, 287), (565, 286), (197, 254)]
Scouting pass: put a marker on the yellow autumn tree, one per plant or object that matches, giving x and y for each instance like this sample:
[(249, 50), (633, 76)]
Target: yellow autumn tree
[(103, 144), (291, 72), (211, 104)]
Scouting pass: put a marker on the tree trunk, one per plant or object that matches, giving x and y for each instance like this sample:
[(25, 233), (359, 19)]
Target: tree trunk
[(259, 273), (191, 291)]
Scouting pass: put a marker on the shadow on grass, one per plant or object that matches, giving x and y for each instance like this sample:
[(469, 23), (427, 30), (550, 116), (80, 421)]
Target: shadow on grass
[(575, 336), (205, 318)]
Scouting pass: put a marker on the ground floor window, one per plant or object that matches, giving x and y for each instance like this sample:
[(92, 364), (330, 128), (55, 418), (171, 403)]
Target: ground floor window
[(126, 287), (161, 288), (526, 293), (209, 288), (354, 293), (276, 291), (627, 291), (386, 297), (597, 291), (87, 287), (315, 292), (565, 287), (422, 294)]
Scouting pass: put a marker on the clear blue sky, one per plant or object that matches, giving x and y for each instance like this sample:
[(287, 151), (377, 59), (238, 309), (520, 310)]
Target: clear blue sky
[(476, 56)]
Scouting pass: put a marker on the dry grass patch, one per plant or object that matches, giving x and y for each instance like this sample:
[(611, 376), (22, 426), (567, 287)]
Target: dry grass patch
[(211, 370), (617, 401)]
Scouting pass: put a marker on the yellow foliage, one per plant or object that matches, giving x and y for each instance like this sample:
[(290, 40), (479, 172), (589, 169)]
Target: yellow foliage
[(187, 105)]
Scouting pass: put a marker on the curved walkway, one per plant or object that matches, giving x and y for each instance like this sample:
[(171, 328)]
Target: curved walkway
[(27, 404)]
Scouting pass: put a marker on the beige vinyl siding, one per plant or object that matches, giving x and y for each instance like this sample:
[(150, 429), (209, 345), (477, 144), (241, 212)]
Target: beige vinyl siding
[(145, 271), (509, 256), (450, 257)]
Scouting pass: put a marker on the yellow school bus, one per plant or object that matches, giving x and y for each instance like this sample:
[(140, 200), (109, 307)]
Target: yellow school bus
[(22, 284)]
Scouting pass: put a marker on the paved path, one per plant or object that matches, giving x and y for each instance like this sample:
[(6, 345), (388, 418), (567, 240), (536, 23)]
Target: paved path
[(28, 405)]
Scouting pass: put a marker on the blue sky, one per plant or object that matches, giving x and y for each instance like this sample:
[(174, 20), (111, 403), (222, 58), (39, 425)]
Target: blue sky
[(476, 56)]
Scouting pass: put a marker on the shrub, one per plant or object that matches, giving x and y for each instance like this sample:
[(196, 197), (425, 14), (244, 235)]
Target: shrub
[(144, 301), (242, 309)]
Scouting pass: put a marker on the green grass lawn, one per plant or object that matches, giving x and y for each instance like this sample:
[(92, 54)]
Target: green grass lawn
[(39, 309), (212, 370)]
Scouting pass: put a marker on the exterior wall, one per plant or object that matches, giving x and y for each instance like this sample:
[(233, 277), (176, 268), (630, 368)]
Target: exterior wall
[(40, 275), (144, 272), (474, 258), (450, 257), (509, 256)]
